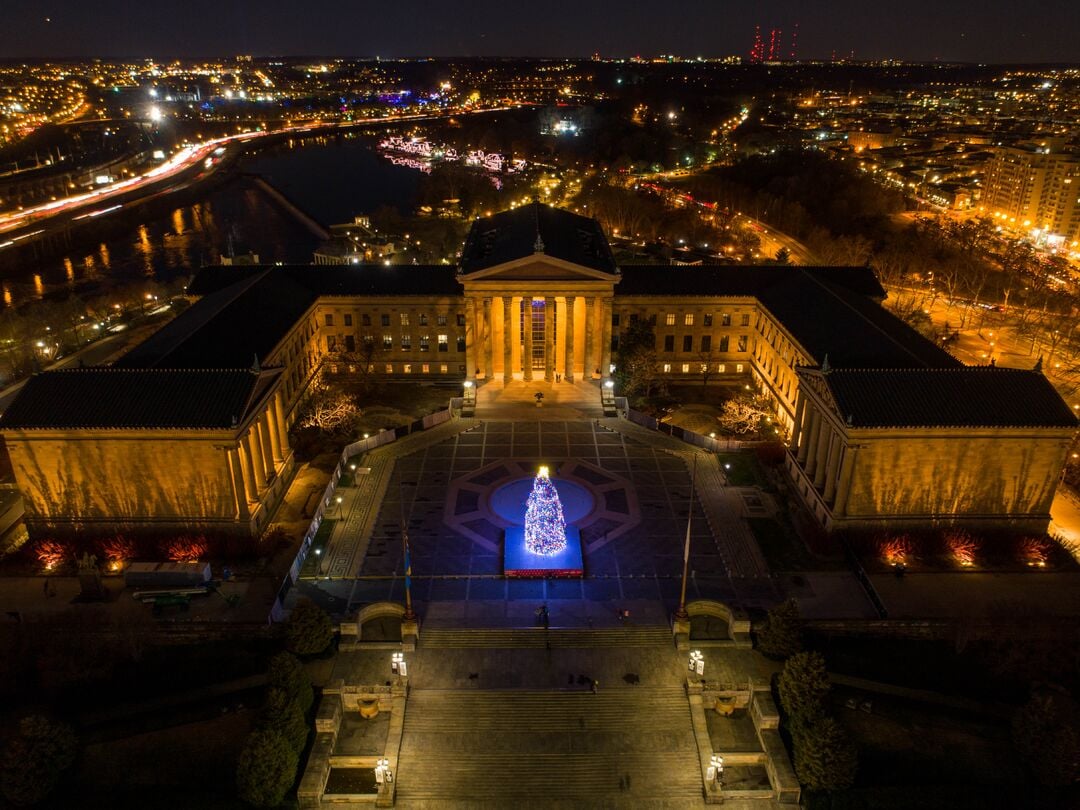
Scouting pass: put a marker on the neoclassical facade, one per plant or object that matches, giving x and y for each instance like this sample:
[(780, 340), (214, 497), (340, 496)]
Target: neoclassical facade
[(191, 428)]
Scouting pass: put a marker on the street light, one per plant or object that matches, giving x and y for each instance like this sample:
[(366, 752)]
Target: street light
[(398, 666), (716, 771), (696, 662), (383, 774)]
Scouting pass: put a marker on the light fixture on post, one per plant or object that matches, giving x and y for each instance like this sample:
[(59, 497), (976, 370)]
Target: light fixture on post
[(715, 775), (383, 774), (398, 665), (696, 662)]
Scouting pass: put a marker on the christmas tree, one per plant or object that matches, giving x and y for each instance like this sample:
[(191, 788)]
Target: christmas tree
[(545, 526)]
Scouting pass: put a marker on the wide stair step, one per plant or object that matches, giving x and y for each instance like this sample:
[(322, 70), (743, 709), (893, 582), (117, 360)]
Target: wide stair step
[(530, 637), (528, 746)]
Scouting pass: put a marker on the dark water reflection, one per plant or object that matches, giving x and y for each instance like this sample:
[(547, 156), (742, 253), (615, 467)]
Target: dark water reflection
[(331, 179)]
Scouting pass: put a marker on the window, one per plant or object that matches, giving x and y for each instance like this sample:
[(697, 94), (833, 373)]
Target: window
[(406, 342), (425, 368), (614, 343), (348, 320), (669, 343), (745, 319), (423, 320), (365, 320), (723, 343), (614, 318), (442, 368), (669, 319), (738, 368), (688, 343), (461, 343), (350, 343), (388, 341), (633, 318), (440, 320), (333, 368), (425, 343), (385, 320), (331, 343), (708, 319), (407, 368), (444, 344), (720, 368), (725, 319), (688, 319), (706, 343), (389, 368), (742, 343), (328, 319), (404, 318), (460, 319), (352, 368), (685, 368), (667, 368)]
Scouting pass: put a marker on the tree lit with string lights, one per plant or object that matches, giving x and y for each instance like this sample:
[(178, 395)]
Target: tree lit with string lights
[(545, 526)]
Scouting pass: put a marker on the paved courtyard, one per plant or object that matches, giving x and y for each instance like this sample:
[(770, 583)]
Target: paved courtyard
[(633, 541)]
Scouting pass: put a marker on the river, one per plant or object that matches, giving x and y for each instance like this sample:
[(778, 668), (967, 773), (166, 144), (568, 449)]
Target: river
[(332, 179)]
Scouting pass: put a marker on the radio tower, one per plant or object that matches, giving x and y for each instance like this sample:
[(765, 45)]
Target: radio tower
[(774, 37), (795, 43)]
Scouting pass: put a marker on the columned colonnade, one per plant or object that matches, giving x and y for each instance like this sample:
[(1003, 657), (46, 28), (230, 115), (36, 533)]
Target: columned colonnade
[(821, 447), (254, 461), (573, 346)]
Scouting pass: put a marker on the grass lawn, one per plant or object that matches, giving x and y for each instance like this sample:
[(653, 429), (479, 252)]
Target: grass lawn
[(395, 404), (742, 469), (784, 550)]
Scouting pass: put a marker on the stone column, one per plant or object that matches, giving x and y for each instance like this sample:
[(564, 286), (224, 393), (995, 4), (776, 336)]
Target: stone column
[(272, 434), (262, 474), (590, 349), (571, 300), (605, 340), (268, 447), (808, 449), (796, 426), (824, 445), (508, 339), (489, 340), (847, 470), (279, 423), (834, 466), (527, 325), (549, 338), (250, 486), (236, 475), (470, 338)]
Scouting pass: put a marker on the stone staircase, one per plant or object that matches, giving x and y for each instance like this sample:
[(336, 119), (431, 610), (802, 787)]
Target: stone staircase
[(625, 747), (537, 637)]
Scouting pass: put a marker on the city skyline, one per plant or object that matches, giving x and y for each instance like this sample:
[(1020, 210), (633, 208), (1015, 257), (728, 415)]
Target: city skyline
[(917, 31)]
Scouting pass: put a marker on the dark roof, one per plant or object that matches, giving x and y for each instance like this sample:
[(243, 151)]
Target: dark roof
[(105, 397), (246, 311), (971, 396), (511, 235), (828, 310)]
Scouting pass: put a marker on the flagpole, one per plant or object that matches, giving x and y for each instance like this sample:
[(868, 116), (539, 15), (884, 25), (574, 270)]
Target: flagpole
[(681, 613), (406, 559)]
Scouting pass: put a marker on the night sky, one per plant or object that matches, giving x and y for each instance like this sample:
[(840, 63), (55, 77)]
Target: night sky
[(983, 31)]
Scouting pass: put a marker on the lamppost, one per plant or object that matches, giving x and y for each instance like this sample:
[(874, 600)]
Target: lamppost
[(696, 662), (398, 666), (337, 500), (715, 775), (383, 774)]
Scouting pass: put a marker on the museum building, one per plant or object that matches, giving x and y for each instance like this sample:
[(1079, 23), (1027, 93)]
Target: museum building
[(190, 429)]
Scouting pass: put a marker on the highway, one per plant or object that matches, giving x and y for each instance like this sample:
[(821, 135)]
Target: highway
[(193, 162)]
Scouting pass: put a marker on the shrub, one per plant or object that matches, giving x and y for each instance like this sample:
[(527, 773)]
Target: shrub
[(186, 548), (781, 636), (1047, 736), (803, 685), (52, 553), (1035, 551), (266, 769), (287, 674), (118, 550), (35, 760), (962, 547), (282, 715), (308, 630), (825, 758), (896, 549)]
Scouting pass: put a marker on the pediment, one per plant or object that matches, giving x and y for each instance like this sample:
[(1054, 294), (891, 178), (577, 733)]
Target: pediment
[(812, 382), (539, 268)]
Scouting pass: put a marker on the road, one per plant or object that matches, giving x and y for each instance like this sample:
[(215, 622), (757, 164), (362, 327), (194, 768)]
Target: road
[(773, 240), (192, 163)]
